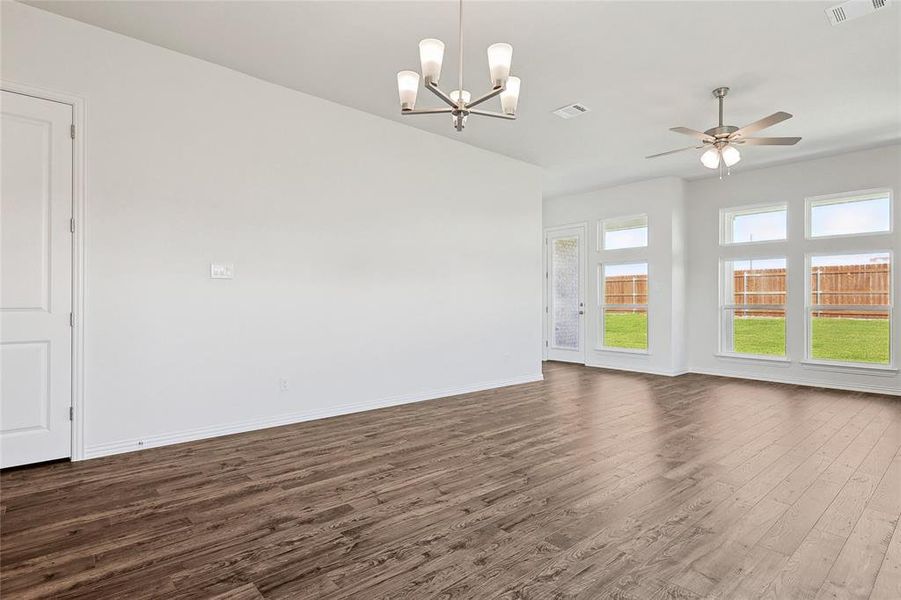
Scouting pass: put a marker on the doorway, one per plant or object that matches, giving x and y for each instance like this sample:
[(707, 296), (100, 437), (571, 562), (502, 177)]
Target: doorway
[(565, 294)]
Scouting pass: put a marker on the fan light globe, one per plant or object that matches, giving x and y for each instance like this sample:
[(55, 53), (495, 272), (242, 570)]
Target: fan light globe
[(711, 158), (407, 87), (431, 55), (731, 155)]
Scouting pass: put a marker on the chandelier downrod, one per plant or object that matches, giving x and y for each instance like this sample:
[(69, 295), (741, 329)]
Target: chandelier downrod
[(461, 54)]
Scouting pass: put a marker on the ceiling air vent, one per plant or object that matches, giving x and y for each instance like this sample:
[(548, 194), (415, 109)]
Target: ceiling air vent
[(571, 110), (853, 9)]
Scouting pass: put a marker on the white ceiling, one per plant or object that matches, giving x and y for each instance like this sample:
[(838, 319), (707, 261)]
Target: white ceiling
[(641, 67)]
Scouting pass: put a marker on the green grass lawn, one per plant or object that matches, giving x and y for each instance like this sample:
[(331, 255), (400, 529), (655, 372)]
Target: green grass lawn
[(854, 340), (759, 335), (851, 340), (626, 330)]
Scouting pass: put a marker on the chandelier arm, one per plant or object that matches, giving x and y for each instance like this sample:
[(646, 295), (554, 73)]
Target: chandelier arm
[(494, 92), (437, 91), (496, 115), (428, 111)]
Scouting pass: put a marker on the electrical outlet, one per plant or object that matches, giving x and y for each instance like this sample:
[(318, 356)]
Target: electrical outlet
[(283, 384)]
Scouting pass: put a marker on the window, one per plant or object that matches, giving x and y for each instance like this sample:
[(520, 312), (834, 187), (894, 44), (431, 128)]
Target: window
[(626, 232), (849, 308), (624, 306), (830, 216), (752, 307), (754, 224)]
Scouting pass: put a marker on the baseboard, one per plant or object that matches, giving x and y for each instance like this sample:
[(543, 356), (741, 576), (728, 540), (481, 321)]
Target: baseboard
[(638, 370), (200, 433), (873, 389)]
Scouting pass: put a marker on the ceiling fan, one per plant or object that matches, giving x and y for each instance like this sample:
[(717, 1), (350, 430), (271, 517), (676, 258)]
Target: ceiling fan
[(722, 141)]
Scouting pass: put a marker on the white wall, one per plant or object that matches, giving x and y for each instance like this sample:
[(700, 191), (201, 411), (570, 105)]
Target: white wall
[(791, 183), (375, 263), (663, 201)]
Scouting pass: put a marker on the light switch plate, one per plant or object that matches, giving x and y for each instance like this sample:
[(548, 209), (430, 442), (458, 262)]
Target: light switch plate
[(222, 271)]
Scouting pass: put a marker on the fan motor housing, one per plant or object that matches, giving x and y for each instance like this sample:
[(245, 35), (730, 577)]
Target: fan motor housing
[(721, 131)]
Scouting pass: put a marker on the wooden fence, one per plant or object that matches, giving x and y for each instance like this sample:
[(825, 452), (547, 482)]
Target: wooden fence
[(626, 289), (862, 285)]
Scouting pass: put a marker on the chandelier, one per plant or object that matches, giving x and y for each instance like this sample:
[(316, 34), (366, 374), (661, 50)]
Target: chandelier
[(460, 103)]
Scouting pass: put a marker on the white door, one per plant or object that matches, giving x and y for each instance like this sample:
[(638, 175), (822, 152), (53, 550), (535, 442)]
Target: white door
[(565, 308), (35, 280)]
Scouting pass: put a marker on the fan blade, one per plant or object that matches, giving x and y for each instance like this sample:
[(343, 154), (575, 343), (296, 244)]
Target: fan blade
[(769, 141), (695, 134), (674, 151), (763, 123)]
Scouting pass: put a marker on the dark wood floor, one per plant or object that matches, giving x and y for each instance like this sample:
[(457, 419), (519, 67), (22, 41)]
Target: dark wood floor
[(592, 484)]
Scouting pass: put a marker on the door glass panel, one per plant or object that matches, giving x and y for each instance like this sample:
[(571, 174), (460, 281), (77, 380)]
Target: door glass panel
[(565, 292)]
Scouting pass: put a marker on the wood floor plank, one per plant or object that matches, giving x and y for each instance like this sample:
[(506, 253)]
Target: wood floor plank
[(589, 484), (854, 572), (888, 580), (807, 568)]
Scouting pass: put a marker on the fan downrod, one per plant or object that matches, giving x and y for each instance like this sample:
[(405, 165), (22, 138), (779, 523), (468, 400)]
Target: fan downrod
[(721, 131)]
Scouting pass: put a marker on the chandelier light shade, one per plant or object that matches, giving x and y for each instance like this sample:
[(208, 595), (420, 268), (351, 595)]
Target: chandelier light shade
[(431, 55), (499, 58), (407, 88), (455, 96), (510, 96), (460, 104)]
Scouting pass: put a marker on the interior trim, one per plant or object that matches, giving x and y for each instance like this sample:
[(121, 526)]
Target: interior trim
[(200, 433)]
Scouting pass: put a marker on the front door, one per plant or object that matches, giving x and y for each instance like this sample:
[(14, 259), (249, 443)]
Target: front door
[(35, 280), (565, 309)]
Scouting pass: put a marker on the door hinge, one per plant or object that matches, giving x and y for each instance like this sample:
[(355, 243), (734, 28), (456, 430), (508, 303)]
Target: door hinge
[(72, 131), (71, 319), (72, 225), (71, 412), (545, 309), (545, 343)]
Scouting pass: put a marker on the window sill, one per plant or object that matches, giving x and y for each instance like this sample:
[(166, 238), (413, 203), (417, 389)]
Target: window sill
[(781, 360), (842, 367), (724, 244), (623, 350)]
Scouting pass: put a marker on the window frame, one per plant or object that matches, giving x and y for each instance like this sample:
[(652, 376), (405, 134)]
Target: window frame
[(731, 306), (750, 209), (851, 196), (603, 306), (602, 223), (810, 308)]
